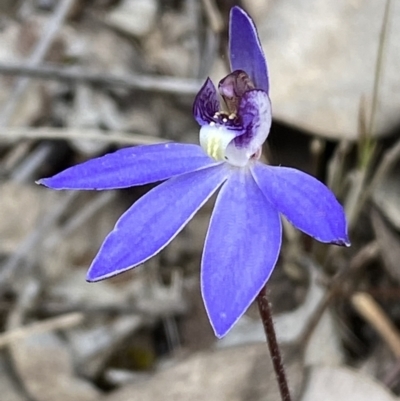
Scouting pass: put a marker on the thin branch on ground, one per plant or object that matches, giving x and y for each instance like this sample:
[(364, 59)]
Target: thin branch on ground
[(56, 323), (213, 15), (364, 256), (32, 238), (160, 84), (36, 58), (112, 137), (368, 308), (80, 218), (54, 309)]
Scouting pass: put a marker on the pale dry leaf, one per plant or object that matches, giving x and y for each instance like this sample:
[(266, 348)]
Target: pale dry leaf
[(257, 8), (93, 109), (98, 49), (68, 248), (324, 345), (329, 383), (16, 44), (8, 39), (178, 124), (235, 374), (142, 119), (133, 17), (44, 365), (9, 387), (93, 344), (20, 207), (32, 105), (87, 294), (165, 47)]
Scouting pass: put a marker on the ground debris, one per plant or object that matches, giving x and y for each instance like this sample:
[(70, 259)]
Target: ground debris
[(80, 79)]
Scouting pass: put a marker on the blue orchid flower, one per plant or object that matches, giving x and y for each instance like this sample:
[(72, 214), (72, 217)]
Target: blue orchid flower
[(244, 236)]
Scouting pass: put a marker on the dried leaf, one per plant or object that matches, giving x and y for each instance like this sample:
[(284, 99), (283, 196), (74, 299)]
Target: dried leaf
[(134, 17), (45, 368), (324, 345), (20, 207), (343, 384), (8, 385), (235, 374)]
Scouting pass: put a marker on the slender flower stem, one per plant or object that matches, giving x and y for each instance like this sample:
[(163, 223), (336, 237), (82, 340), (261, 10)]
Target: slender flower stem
[(266, 318)]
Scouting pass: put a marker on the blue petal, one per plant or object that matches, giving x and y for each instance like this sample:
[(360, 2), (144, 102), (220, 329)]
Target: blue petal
[(241, 250), (132, 166), (307, 203), (206, 103), (245, 48), (154, 220)]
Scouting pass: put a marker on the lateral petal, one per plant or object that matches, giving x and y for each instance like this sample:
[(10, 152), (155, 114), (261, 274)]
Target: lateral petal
[(245, 48), (154, 220), (241, 250), (307, 203), (131, 166)]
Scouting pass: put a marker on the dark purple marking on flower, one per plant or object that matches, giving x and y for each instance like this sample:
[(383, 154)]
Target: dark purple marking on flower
[(245, 49), (233, 87), (206, 109), (254, 116), (206, 103), (246, 107)]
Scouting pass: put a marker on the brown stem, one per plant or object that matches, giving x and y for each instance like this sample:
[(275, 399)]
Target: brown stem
[(266, 318)]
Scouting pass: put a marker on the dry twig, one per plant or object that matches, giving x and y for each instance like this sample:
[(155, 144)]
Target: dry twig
[(160, 84), (31, 240), (213, 15), (367, 307), (36, 57), (13, 134), (56, 323), (369, 252)]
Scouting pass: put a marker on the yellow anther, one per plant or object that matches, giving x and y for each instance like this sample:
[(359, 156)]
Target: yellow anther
[(232, 116)]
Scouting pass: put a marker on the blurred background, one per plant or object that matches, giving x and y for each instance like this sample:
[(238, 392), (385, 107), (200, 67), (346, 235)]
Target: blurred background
[(79, 79)]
